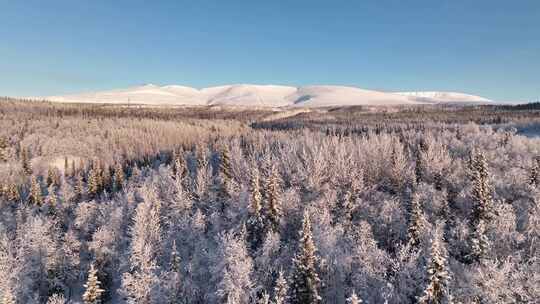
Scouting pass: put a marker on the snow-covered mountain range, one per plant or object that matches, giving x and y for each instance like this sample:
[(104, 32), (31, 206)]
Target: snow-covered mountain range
[(264, 96)]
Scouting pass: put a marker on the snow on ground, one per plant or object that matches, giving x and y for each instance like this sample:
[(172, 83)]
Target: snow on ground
[(263, 95), (443, 97)]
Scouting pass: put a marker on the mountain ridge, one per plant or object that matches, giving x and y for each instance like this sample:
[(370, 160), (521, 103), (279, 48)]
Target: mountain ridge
[(263, 95)]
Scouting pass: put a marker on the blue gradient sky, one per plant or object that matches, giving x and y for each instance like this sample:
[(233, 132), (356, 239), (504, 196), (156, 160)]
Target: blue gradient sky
[(490, 48)]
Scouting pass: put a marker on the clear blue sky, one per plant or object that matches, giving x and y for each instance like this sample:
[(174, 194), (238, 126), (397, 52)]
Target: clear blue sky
[(490, 48)]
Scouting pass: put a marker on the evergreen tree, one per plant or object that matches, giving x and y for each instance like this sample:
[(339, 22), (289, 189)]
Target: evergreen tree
[(281, 289), (255, 223), (419, 166), (93, 291), (13, 193), (273, 196), (225, 176), (52, 199), (36, 195), (305, 280), (482, 208), (119, 177), (79, 187), (534, 179), (479, 243), (25, 161), (436, 290), (417, 221), (66, 167), (50, 176), (264, 298), (8, 297), (179, 167), (95, 181), (56, 299), (354, 299), (3, 147)]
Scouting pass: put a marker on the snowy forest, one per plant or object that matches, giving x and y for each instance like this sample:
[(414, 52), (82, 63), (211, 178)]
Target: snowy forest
[(108, 204)]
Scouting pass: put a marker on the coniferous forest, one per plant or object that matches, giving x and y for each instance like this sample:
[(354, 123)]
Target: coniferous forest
[(116, 204)]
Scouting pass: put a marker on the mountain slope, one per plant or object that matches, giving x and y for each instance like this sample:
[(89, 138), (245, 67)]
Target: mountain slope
[(263, 96), (443, 97)]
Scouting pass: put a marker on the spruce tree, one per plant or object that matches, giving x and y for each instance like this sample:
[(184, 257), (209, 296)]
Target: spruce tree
[(3, 147), (79, 187), (36, 195), (50, 176), (179, 166), (281, 289), (305, 280), (436, 290), (534, 178), (66, 167), (13, 193), (52, 199), (119, 177), (225, 175), (93, 291), (95, 181), (8, 297), (272, 191), (25, 161), (255, 223), (417, 221), (482, 208), (353, 299), (419, 166)]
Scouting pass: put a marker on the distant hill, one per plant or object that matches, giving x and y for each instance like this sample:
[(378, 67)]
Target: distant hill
[(263, 96)]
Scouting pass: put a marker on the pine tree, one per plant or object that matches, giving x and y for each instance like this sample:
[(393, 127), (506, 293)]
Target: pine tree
[(119, 177), (482, 208), (50, 176), (417, 221), (281, 289), (79, 187), (36, 195), (179, 167), (225, 176), (8, 297), (66, 167), (95, 181), (353, 299), (56, 299), (3, 147), (305, 280), (479, 243), (436, 290), (73, 171), (419, 166), (93, 291), (273, 196), (52, 199), (264, 298), (25, 161), (534, 179), (13, 193), (255, 222)]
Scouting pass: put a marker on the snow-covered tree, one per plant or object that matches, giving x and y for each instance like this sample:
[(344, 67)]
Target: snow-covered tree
[(305, 282), (438, 276), (93, 290), (233, 270), (255, 223), (36, 194), (417, 221), (353, 299), (281, 289), (272, 191)]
